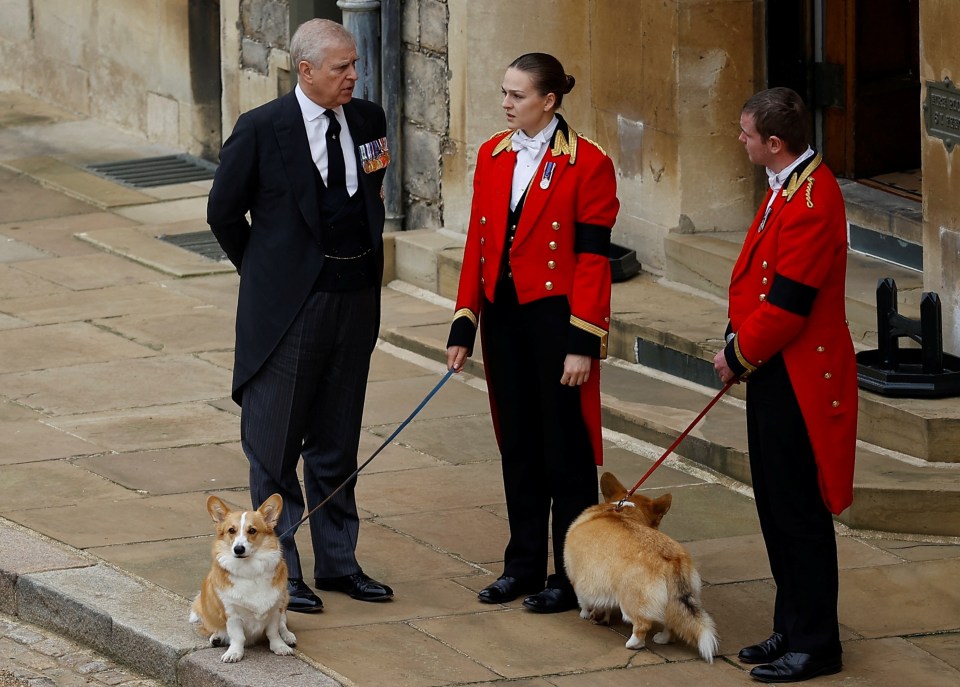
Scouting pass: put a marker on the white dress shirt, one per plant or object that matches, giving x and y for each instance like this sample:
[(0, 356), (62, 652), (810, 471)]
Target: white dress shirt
[(778, 179), (530, 151), (316, 124)]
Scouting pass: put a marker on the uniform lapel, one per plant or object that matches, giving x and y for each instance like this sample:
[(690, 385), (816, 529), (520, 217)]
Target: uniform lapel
[(560, 155), (295, 151)]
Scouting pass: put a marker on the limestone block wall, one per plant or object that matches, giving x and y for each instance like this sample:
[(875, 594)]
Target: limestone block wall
[(939, 59), (426, 117), (132, 64), (255, 43), (660, 84)]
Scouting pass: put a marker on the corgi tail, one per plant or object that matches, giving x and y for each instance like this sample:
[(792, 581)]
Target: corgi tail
[(687, 619)]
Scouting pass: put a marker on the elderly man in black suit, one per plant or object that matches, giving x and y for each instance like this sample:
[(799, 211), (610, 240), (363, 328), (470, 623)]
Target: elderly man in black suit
[(308, 167)]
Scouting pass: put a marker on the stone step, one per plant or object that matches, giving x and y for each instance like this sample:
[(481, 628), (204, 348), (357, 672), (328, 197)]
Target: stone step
[(675, 328), (891, 493)]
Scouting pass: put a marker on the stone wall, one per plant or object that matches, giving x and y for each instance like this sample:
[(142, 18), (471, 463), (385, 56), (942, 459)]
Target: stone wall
[(427, 104), (659, 86), (940, 59), (126, 63)]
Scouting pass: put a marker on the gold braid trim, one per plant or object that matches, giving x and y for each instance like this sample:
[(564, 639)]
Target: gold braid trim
[(743, 361), (810, 192), (592, 329), (505, 142), (466, 312), (796, 180)]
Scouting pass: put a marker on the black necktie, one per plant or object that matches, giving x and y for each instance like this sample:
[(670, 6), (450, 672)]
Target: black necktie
[(336, 169)]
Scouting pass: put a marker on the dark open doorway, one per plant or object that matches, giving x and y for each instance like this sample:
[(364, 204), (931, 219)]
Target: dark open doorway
[(856, 62)]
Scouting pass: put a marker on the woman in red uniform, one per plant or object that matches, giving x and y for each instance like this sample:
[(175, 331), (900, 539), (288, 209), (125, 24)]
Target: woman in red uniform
[(536, 279)]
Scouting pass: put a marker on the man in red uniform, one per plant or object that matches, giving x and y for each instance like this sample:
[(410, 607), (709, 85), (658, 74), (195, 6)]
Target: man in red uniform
[(788, 339)]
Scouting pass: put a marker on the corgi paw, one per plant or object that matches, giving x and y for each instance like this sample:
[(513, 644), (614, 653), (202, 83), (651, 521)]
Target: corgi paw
[(635, 643), (664, 637), (281, 649), (232, 655), (586, 613), (288, 637), (218, 639)]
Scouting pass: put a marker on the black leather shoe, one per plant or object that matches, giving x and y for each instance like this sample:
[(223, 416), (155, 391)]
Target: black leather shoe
[(766, 651), (359, 586), (551, 600), (302, 598), (506, 589), (796, 667)]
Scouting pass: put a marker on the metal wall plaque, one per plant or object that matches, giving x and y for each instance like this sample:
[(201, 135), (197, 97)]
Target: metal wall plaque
[(941, 112)]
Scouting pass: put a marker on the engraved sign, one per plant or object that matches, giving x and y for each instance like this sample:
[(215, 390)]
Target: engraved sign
[(941, 112)]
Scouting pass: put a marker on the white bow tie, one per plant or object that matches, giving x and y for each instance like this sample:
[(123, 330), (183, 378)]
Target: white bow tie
[(773, 178), (521, 141)]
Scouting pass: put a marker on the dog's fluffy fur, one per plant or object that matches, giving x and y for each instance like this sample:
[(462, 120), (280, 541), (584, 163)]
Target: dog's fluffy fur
[(618, 559), (244, 596)]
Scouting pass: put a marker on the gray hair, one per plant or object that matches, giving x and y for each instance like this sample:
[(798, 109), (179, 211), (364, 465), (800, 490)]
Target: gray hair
[(313, 37)]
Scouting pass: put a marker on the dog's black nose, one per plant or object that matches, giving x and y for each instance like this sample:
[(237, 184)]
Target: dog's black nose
[(239, 550)]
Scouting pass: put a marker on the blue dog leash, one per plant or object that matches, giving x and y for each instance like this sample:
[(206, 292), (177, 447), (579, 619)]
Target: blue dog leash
[(290, 532)]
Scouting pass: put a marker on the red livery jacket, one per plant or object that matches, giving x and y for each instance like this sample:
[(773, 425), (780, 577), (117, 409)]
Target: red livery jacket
[(561, 245), (787, 296)]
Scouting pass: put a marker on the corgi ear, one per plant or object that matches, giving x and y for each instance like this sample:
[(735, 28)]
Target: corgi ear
[(661, 505), (270, 509), (217, 509), (611, 488)]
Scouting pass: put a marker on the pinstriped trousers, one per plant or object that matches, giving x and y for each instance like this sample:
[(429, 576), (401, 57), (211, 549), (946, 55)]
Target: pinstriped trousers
[(307, 400)]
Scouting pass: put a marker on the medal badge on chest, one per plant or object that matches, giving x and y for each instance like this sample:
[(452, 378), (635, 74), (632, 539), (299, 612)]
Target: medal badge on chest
[(547, 175), (374, 155)]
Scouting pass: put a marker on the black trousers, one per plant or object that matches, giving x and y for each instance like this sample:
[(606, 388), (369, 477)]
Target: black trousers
[(307, 400), (548, 463), (797, 527)]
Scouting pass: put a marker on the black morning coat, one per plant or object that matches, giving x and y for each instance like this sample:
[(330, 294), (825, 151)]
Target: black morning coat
[(266, 170)]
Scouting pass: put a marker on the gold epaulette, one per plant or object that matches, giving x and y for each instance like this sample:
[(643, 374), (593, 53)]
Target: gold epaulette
[(504, 143), (797, 180)]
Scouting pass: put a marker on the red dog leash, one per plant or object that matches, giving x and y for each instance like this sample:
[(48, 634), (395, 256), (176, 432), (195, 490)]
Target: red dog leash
[(676, 443)]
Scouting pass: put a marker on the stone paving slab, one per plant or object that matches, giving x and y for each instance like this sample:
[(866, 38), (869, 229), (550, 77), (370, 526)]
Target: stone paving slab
[(130, 383), (61, 345), (23, 552), (174, 470), (94, 271), (25, 441), (55, 235), (89, 305), (135, 429), (918, 598), (24, 199), (168, 212), (205, 328), (69, 180), (12, 250), (145, 248), (15, 282)]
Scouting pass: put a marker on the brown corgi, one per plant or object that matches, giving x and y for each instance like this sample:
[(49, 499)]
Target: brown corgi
[(244, 596), (618, 559)]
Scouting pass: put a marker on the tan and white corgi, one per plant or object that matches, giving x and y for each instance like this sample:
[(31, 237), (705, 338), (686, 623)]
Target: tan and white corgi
[(244, 596), (618, 559)]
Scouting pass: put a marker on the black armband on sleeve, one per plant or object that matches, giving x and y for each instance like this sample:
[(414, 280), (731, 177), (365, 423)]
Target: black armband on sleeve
[(592, 238), (792, 296)]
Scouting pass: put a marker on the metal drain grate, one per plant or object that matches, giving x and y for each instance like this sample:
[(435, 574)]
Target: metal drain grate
[(156, 171), (200, 242)]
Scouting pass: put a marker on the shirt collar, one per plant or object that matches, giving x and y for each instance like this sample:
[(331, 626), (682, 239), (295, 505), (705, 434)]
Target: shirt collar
[(312, 110), (545, 135), (777, 179)]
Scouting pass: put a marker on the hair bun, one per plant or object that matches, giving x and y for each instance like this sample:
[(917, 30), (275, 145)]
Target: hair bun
[(570, 83)]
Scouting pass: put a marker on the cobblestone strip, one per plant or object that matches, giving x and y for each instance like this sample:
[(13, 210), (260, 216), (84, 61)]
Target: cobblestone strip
[(33, 657)]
